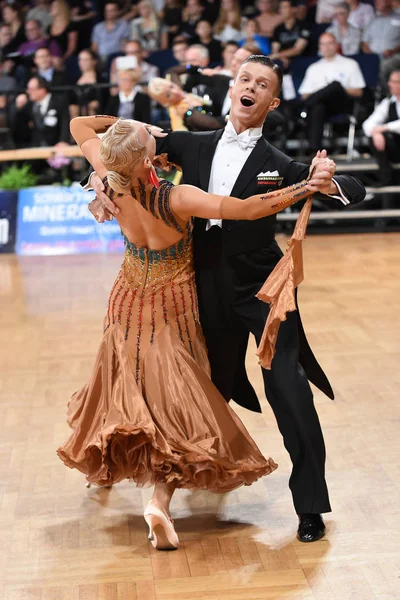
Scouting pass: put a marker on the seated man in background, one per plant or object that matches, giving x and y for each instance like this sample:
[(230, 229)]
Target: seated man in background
[(329, 87), (382, 36), (44, 67), (109, 35), (128, 101), (291, 37), (383, 131), (42, 119)]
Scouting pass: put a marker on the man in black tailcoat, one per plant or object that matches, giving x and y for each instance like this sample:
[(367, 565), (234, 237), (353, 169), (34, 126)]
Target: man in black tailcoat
[(232, 261)]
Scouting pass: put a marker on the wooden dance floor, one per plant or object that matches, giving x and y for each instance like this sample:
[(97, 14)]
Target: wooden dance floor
[(61, 541)]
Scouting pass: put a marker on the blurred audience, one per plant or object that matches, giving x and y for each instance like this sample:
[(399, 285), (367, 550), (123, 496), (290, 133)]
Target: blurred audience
[(229, 24), (148, 29), (40, 12), (382, 36), (204, 33), (252, 36), (43, 63), (348, 36), (361, 14), (86, 99), (135, 50), (40, 118), (269, 17), (129, 102), (291, 37), (192, 14), (329, 87), (108, 35), (383, 130), (62, 30)]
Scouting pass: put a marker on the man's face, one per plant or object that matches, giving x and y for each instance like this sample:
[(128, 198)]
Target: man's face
[(253, 94), (394, 84), (5, 35), (194, 58), (203, 29), (43, 59), (133, 49), (111, 12), (228, 53), (32, 31), (286, 10), (265, 5), (179, 51), (238, 59), (126, 82), (341, 15), (35, 92), (328, 46)]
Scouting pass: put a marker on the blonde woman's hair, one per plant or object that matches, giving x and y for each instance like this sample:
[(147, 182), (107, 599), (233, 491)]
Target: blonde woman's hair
[(64, 9), (223, 18), (156, 86), (121, 152)]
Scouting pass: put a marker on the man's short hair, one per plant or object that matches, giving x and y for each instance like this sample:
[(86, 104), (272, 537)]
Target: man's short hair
[(232, 43), (252, 48), (343, 5), (293, 3), (42, 82), (202, 50), (267, 62)]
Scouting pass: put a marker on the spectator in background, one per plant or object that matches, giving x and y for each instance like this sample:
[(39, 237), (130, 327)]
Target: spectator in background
[(36, 40), (62, 30), (109, 35), (147, 71), (361, 14), (205, 37), (383, 130), (11, 16), (7, 50), (329, 87), (40, 12), (291, 37), (148, 30), (87, 100), (348, 36), (171, 16), (227, 55), (252, 36), (42, 120), (129, 102), (192, 14), (82, 16), (179, 48), (326, 10), (382, 37), (44, 68), (269, 18), (229, 23)]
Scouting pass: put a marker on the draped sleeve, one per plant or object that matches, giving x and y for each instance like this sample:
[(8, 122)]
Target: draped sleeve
[(279, 288)]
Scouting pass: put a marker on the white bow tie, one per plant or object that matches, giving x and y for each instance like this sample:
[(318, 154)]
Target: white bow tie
[(243, 141)]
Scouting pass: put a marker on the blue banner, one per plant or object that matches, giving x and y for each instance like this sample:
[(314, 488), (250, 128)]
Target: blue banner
[(56, 220), (8, 220)]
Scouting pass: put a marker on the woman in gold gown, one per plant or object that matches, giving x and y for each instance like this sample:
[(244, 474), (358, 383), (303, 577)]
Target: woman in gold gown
[(149, 411)]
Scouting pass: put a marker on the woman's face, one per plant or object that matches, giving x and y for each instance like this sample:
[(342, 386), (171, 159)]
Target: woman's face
[(9, 14), (228, 4), (144, 10), (54, 8), (86, 62)]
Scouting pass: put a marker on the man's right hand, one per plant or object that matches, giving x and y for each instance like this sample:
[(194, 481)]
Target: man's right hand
[(102, 208)]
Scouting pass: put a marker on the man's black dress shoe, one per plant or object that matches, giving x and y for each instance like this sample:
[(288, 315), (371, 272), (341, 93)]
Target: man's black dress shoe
[(311, 527)]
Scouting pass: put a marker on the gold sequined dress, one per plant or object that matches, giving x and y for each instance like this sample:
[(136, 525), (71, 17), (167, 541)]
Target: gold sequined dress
[(149, 411)]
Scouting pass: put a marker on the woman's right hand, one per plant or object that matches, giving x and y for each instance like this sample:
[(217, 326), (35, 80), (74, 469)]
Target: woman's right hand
[(102, 208)]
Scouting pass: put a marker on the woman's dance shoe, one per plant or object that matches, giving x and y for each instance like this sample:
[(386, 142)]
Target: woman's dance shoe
[(162, 533)]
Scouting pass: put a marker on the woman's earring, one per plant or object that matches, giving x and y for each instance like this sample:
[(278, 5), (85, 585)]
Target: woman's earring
[(153, 178)]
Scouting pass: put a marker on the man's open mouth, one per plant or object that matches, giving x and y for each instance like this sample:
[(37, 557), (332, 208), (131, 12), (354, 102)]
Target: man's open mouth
[(247, 101)]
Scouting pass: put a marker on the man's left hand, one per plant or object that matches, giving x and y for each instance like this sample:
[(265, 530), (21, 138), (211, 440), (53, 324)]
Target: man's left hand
[(323, 169)]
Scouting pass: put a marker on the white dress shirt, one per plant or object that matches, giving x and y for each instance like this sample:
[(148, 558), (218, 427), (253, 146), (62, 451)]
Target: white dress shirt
[(228, 161), (130, 98), (44, 104), (380, 115)]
